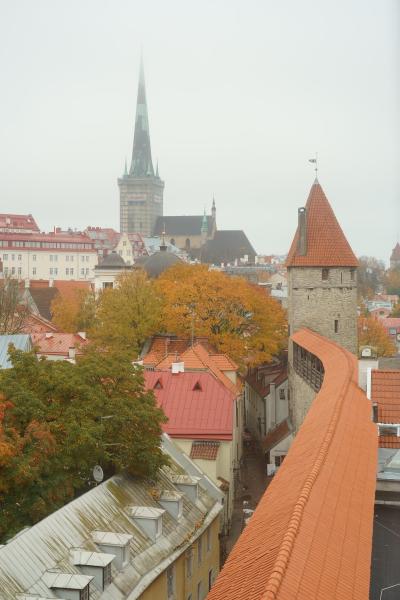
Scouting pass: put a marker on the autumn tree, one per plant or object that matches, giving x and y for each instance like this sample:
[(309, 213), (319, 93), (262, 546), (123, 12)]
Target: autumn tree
[(371, 332), (396, 311), (392, 281), (60, 419), (370, 276), (13, 311), (237, 317), (128, 313), (75, 312)]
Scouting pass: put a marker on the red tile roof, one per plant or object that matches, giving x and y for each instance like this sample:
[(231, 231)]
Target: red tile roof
[(205, 450), (57, 344), (205, 413), (327, 245), (161, 345), (281, 431), (37, 324), (311, 534), (11, 221), (385, 391), (390, 322)]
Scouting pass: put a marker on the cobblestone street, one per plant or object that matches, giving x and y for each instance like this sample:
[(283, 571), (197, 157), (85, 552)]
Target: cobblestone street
[(251, 486)]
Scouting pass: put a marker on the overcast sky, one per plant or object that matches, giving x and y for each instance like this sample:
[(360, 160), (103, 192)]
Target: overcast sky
[(240, 95)]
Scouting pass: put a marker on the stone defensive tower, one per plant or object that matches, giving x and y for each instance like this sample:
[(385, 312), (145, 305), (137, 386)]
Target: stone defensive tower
[(141, 189), (322, 274), (322, 295)]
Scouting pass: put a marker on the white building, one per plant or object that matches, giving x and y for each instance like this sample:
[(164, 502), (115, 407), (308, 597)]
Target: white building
[(58, 255)]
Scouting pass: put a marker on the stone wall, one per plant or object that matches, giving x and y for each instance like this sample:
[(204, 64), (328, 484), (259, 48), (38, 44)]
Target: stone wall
[(301, 396), (141, 202), (327, 306)]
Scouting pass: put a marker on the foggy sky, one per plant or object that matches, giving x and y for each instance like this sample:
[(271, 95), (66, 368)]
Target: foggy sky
[(240, 96)]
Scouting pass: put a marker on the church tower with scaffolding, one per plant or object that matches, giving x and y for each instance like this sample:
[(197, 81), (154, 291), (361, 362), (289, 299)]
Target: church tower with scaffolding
[(140, 187)]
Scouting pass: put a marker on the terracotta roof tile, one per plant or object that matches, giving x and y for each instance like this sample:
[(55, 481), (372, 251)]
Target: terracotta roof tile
[(207, 450), (57, 344), (311, 534), (327, 245), (385, 391)]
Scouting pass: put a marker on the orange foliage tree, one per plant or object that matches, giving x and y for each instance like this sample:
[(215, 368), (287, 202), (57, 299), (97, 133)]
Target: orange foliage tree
[(237, 317), (74, 312), (372, 333)]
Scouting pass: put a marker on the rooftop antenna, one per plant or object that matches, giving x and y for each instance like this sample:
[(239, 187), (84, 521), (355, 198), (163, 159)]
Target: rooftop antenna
[(315, 162)]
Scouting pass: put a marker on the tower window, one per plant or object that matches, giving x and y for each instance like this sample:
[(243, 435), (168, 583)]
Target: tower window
[(336, 325), (325, 274), (352, 274)]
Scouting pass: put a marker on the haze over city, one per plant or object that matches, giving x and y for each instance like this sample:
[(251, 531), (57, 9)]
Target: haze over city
[(240, 96)]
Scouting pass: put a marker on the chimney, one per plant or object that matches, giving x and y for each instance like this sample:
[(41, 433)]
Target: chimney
[(302, 241), (71, 353), (27, 283), (51, 282)]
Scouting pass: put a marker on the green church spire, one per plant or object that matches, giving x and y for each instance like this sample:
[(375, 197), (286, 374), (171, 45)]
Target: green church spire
[(142, 164)]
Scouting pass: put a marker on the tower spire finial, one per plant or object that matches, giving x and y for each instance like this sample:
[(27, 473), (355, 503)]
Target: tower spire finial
[(315, 162)]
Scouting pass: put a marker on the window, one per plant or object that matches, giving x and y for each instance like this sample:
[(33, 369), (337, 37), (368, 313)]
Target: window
[(107, 578), (279, 460), (210, 579), (71, 271), (51, 258), (336, 326), (67, 271), (392, 330), (33, 256), (82, 258), (13, 271), (200, 551), (352, 271), (67, 258), (12, 256), (282, 395), (388, 430), (325, 274), (5, 270), (107, 284), (84, 594), (209, 539), (170, 582), (55, 270), (34, 271), (71, 258), (5, 256), (82, 272), (19, 270), (19, 256), (87, 259), (87, 271), (189, 562)]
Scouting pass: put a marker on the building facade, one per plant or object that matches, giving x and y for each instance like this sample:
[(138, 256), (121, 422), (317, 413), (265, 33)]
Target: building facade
[(57, 255), (141, 189)]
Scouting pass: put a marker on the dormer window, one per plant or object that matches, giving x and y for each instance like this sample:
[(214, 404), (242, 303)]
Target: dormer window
[(68, 585), (158, 385), (114, 543), (148, 519), (197, 387), (172, 502), (96, 564), (188, 485)]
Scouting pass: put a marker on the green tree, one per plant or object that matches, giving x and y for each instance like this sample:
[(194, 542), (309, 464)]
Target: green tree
[(94, 412), (13, 312), (127, 314)]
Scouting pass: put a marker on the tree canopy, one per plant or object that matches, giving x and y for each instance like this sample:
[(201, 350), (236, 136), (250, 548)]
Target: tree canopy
[(372, 333), (58, 420), (237, 317), (13, 312), (75, 312), (127, 314)]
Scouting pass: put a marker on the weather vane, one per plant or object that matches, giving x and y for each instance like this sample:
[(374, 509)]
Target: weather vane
[(315, 161)]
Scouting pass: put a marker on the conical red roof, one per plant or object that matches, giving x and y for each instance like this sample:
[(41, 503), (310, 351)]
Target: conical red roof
[(327, 245)]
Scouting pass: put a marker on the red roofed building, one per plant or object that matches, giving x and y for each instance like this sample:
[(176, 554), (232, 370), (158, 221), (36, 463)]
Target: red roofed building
[(59, 346), (204, 420), (385, 396), (311, 534), (392, 326), (11, 223)]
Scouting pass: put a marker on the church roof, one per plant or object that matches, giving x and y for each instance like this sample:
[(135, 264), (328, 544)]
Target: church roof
[(226, 246), (142, 164), (182, 225), (326, 245)]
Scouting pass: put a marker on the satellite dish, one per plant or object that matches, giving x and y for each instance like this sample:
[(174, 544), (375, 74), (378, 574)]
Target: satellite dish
[(98, 474)]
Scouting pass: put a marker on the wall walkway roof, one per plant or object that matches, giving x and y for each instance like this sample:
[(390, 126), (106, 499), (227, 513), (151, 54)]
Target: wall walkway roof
[(310, 537)]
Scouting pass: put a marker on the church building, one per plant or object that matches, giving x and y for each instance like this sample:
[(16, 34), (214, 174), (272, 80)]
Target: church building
[(141, 189)]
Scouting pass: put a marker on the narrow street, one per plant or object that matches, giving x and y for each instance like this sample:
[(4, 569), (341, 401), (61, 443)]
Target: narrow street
[(251, 486)]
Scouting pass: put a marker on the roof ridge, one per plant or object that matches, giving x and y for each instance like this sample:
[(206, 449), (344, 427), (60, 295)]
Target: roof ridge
[(286, 546)]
